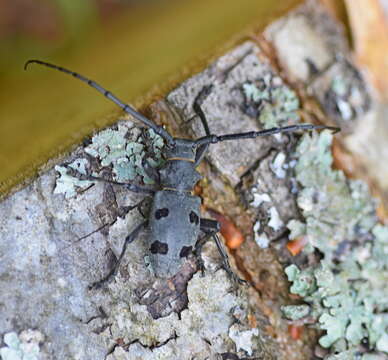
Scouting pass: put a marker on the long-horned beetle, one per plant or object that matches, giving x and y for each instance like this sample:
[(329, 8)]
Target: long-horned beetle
[(175, 221)]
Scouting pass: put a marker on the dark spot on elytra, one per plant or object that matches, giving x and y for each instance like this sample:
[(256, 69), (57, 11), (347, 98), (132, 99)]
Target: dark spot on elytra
[(186, 251), (160, 213), (229, 356), (158, 247), (194, 218)]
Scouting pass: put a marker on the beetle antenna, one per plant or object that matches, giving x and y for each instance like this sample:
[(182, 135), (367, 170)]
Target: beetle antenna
[(130, 110), (213, 139)]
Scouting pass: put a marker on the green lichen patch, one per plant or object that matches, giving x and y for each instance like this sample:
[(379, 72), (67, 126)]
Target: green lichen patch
[(69, 185), (339, 213), (346, 291), (21, 347), (113, 148), (124, 150), (271, 101), (303, 282), (295, 312)]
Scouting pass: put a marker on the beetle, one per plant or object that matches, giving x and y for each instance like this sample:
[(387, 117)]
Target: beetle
[(174, 222)]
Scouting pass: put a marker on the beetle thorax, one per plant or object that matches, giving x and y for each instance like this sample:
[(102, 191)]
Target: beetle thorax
[(183, 149), (179, 172)]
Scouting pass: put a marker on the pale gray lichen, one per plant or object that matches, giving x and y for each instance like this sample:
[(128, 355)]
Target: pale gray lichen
[(259, 198), (342, 92), (346, 291), (273, 101), (22, 347), (275, 221), (262, 240), (210, 316), (282, 108), (337, 211), (244, 339), (278, 165), (339, 85)]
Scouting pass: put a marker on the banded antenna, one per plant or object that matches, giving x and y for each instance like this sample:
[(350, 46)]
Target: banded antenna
[(130, 110), (213, 139)]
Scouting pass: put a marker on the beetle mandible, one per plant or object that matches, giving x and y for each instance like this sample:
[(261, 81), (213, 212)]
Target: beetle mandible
[(175, 221)]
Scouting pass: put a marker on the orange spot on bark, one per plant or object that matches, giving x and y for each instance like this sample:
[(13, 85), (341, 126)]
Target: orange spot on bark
[(231, 233), (296, 246), (295, 331)]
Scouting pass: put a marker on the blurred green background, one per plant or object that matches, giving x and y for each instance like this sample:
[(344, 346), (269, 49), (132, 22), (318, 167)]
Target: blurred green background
[(136, 49)]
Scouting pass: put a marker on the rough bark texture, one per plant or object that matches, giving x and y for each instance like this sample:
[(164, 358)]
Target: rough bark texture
[(48, 267), (47, 261)]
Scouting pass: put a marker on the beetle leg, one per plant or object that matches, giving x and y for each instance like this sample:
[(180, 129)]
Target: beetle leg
[(209, 225), (211, 228), (198, 250), (130, 238), (200, 98), (225, 260), (201, 151), (131, 187)]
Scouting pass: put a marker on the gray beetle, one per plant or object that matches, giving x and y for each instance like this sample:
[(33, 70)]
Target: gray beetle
[(175, 221)]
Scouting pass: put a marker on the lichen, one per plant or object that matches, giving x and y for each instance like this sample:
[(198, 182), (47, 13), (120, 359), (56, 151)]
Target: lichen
[(123, 149), (347, 93), (210, 316), (295, 312), (271, 101), (346, 291), (67, 184), (261, 239), (22, 347), (302, 281), (259, 198), (277, 165), (296, 228), (113, 148), (275, 222), (244, 339)]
